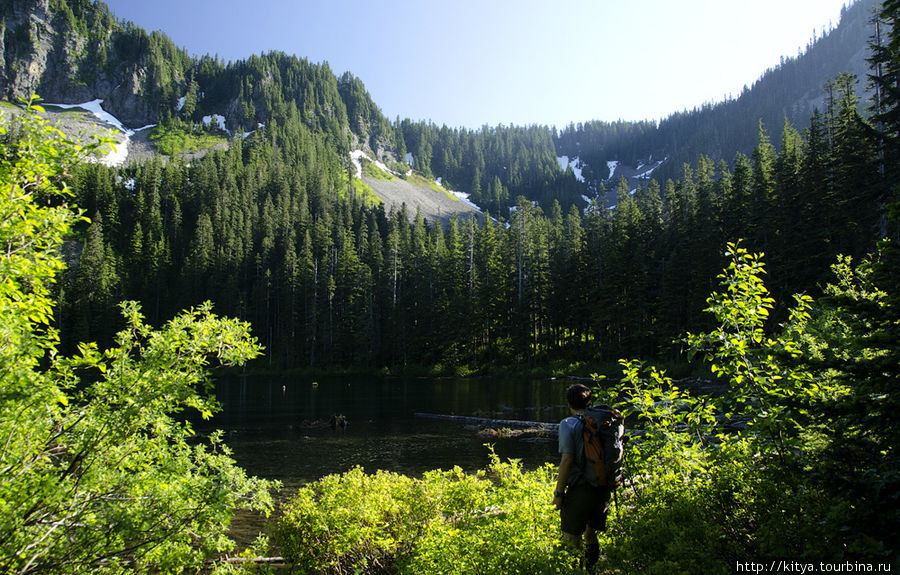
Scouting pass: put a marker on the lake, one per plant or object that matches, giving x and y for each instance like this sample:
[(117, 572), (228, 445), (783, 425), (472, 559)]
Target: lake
[(277, 425)]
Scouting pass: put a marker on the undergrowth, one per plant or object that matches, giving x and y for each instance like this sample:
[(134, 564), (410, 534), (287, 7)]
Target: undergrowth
[(174, 140)]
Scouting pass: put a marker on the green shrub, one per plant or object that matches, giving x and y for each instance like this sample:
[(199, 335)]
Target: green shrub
[(493, 521), (498, 522), (102, 472), (365, 192), (754, 472), (370, 170), (173, 140), (352, 521)]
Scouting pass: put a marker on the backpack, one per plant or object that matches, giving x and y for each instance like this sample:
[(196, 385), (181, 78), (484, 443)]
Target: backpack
[(603, 430)]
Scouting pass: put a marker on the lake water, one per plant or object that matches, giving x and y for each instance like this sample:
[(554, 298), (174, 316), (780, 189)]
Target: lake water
[(277, 425)]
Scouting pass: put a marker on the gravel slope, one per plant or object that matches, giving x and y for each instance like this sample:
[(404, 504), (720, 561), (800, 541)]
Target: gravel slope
[(434, 205)]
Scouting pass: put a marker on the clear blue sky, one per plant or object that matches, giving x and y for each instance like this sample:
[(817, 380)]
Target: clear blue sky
[(475, 62)]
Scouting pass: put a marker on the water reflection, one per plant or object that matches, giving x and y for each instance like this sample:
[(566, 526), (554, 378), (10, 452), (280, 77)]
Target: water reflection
[(278, 426)]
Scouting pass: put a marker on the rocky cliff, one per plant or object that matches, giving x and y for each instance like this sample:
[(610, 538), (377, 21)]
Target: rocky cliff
[(70, 53)]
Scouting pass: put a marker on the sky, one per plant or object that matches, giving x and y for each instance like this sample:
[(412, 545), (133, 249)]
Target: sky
[(469, 63)]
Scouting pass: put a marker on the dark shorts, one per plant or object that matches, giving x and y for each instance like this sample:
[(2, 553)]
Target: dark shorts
[(585, 505)]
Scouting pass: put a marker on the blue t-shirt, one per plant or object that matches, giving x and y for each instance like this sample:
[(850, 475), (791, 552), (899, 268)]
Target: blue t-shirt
[(567, 429), (571, 440)]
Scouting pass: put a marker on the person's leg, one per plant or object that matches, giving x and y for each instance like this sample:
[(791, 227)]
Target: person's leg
[(574, 514), (596, 523), (574, 518), (591, 547), (573, 541)]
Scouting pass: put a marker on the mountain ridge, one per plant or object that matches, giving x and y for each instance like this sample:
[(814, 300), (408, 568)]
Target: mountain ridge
[(792, 89), (75, 50)]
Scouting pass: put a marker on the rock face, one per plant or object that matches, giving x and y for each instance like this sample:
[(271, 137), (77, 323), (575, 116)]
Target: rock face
[(46, 54)]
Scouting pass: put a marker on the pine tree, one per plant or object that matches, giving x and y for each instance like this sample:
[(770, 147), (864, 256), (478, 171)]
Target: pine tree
[(94, 287), (818, 203), (855, 174), (885, 79), (762, 163), (791, 243)]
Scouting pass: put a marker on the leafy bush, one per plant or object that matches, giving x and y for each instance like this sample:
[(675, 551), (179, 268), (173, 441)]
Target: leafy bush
[(352, 520), (497, 520), (765, 469), (100, 471)]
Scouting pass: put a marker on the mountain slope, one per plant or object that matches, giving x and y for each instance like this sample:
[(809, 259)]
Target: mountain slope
[(73, 51), (395, 191), (791, 90)]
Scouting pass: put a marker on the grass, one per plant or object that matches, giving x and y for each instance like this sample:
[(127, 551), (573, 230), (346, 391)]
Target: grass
[(172, 140), (362, 190), (370, 170), (366, 193), (424, 182)]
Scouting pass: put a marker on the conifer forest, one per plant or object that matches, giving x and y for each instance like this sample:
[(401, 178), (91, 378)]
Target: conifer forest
[(760, 253)]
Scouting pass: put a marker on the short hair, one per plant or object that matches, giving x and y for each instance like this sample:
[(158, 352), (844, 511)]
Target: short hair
[(578, 396)]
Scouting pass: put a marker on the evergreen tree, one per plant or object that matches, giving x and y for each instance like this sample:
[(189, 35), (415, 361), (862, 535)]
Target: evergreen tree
[(94, 288), (763, 200)]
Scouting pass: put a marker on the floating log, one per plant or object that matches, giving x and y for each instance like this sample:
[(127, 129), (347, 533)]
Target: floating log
[(531, 434), (491, 422)]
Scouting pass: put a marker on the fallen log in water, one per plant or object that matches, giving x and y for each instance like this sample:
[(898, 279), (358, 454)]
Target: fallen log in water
[(530, 434), (491, 422)]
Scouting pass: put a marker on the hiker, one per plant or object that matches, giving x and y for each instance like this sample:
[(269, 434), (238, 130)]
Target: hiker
[(582, 506)]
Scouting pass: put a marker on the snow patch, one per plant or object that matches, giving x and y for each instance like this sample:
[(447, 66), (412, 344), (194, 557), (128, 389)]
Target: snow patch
[(119, 153), (612, 165), (574, 163), (259, 125), (97, 110), (355, 155), (410, 160), (219, 119), (180, 104), (465, 198), (645, 175), (382, 165)]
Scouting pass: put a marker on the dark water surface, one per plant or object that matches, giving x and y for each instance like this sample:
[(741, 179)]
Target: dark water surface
[(277, 425)]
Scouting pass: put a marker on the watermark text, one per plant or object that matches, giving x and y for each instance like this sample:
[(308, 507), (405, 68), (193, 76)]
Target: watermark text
[(802, 567)]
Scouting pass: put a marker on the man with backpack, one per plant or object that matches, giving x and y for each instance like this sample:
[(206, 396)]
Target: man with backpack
[(591, 444)]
